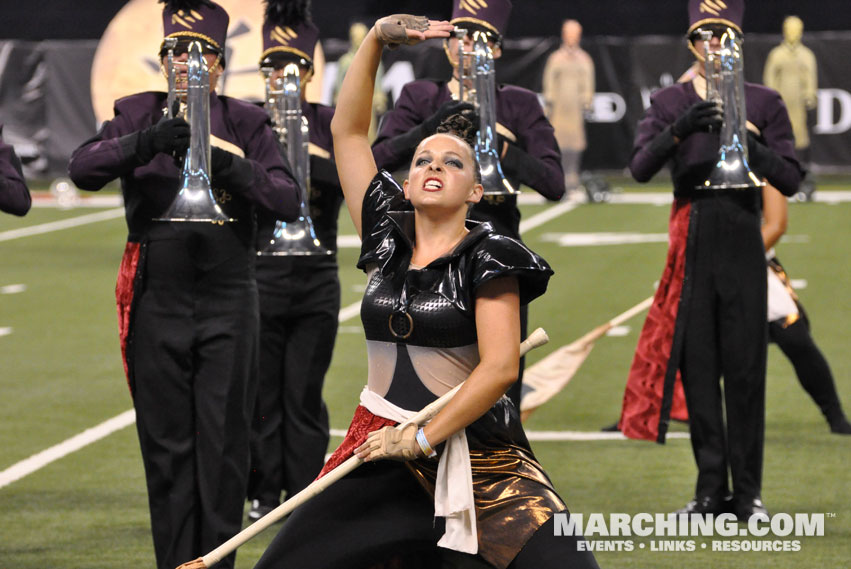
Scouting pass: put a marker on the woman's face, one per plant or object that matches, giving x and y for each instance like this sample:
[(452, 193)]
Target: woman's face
[(442, 174)]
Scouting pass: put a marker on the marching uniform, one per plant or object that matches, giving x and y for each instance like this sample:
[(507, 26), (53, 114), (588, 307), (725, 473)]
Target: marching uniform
[(187, 302), (708, 317), (14, 194), (532, 156), (299, 312)]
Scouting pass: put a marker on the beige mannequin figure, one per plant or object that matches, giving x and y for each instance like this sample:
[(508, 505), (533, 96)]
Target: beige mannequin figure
[(569, 92), (791, 70)]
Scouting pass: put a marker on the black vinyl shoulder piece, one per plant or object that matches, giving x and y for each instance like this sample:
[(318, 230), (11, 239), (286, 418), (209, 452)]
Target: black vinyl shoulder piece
[(433, 306)]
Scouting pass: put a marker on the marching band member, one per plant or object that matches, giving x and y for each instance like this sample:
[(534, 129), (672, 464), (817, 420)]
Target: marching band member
[(441, 306), (14, 194), (709, 316), (299, 296), (529, 153), (187, 296)]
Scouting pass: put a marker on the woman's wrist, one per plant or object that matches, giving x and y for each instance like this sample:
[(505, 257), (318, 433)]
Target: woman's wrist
[(424, 445)]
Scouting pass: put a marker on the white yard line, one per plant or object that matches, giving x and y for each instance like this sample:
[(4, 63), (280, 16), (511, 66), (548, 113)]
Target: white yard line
[(89, 436), (64, 224), (562, 436), (45, 457), (547, 215), (348, 312), (662, 198)]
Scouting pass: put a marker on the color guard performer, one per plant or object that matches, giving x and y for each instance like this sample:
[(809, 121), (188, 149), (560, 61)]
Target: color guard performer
[(187, 295), (299, 295), (529, 153), (709, 315), (441, 306), (14, 194)]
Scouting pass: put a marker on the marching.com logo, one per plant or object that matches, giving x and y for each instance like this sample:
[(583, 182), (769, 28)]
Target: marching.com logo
[(760, 533)]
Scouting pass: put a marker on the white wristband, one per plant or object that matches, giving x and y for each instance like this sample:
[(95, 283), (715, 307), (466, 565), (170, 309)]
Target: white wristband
[(424, 446)]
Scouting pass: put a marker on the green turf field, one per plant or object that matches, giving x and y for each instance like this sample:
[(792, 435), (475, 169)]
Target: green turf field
[(62, 374)]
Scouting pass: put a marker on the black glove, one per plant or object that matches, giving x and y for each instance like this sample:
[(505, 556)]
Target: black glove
[(518, 164), (445, 111), (220, 160), (702, 116), (229, 171), (782, 174), (170, 136)]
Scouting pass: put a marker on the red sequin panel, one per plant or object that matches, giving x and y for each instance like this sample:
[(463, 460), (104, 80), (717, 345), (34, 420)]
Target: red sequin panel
[(362, 424), (124, 296), (642, 400)]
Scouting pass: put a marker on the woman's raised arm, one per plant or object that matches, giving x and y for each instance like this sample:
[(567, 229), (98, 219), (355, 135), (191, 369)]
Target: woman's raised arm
[(350, 126)]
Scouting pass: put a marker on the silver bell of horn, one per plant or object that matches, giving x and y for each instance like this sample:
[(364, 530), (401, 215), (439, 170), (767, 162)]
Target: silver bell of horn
[(482, 95), (725, 84), (283, 103), (195, 200)]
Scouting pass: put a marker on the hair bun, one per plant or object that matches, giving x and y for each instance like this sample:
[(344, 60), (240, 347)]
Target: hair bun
[(460, 125)]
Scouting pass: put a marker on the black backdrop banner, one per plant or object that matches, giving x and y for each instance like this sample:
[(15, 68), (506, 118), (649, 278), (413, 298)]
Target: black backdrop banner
[(45, 91)]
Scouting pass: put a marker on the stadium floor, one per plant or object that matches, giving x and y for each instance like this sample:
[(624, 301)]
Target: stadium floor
[(61, 375)]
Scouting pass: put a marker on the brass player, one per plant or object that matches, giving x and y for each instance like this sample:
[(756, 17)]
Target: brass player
[(299, 295), (186, 292), (708, 318)]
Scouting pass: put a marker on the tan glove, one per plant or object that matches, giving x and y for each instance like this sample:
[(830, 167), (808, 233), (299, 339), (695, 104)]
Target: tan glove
[(391, 443), (392, 30)]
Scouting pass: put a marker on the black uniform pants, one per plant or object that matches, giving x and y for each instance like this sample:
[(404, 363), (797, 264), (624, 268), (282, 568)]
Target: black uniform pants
[(192, 353), (725, 335), (299, 312)]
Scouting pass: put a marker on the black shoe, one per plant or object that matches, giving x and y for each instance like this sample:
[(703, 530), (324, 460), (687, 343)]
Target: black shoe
[(613, 428), (701, 506), (260, 508), (840, 426), (751, 507)]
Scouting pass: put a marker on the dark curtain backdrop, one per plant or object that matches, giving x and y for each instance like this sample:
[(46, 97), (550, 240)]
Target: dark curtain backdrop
[(61, 19)]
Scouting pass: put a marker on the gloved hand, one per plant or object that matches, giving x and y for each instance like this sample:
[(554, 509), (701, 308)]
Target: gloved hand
[(220, 160), (783, 174), (169, 136), (229, 171), (702, 116), (392, 31), (446, 110), (391, 443)]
